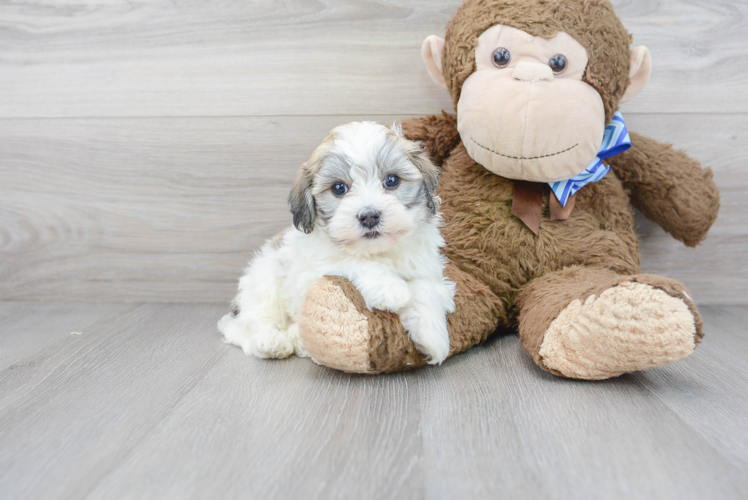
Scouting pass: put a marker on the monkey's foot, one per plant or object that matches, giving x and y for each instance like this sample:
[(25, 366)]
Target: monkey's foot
[(629, 327), (340, 332)]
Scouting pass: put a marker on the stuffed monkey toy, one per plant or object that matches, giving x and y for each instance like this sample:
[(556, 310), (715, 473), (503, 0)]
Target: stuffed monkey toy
[(537, 214)]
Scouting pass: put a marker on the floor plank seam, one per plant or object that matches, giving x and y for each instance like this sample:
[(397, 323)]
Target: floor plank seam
[(640, 378), (166, 413), (697, 430)]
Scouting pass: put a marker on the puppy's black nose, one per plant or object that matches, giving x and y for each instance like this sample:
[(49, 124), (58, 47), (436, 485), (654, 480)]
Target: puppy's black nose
[(370, 219)]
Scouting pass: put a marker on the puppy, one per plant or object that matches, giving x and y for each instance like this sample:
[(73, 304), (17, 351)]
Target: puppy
[(363, 208)]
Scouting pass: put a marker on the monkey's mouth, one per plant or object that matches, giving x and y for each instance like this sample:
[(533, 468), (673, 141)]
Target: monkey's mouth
[(524, 157)]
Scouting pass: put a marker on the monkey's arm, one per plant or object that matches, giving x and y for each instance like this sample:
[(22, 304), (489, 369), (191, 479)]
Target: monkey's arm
[(438, 133), (669, 187)]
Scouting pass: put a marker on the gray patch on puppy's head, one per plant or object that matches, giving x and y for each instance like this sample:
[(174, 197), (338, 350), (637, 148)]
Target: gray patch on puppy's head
[(416, 155), (334, 168)]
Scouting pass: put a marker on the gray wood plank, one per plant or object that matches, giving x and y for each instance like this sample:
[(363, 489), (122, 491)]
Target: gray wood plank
[(709, 389), (496, 425), (172, 209), (70, 413), (134, 58), (27, 327), (280, 429), (150, 404)]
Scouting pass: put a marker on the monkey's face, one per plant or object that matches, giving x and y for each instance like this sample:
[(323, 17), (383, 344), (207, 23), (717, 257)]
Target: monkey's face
[(525, 113), (534, 107)]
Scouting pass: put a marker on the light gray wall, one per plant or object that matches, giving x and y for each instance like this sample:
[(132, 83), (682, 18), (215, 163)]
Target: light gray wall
[(146, 148)]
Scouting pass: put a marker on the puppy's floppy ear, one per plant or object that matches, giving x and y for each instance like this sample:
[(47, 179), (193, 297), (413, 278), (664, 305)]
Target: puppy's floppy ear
[(301, 201), (397, 128), (430, 174)]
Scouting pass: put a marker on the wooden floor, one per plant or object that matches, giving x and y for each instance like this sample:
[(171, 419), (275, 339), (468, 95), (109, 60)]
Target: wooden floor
[(145, 401)]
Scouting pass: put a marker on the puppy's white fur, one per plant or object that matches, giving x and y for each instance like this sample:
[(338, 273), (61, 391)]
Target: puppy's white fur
[(396, 265)]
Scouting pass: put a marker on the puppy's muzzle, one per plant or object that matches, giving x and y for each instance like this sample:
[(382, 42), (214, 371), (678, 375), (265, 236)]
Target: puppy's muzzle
[(370, 219)]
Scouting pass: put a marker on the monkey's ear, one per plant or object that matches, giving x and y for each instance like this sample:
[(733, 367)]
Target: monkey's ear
[(301, 202), (432, 51), (641, 69)]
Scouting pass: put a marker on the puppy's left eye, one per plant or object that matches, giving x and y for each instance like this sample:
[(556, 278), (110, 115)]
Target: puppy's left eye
[(339, 189), (392, 182)]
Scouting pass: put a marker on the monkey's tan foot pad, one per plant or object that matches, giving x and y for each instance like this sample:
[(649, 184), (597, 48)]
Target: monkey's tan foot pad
[(629, 327), (339, 331)]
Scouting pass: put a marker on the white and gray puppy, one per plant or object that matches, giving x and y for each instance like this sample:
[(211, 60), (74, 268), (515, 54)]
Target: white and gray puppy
[(365, 209)]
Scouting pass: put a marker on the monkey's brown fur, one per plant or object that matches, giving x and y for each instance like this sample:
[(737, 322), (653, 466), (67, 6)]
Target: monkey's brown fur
[(504, 273)]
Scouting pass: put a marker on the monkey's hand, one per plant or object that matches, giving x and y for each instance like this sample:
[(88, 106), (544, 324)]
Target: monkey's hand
[(670, 188), (438, 133)]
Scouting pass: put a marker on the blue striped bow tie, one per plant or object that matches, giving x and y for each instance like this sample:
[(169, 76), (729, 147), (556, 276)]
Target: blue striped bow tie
[(616, 140)]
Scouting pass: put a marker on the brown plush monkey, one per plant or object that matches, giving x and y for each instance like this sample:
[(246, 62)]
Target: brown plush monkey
[(534, 83)]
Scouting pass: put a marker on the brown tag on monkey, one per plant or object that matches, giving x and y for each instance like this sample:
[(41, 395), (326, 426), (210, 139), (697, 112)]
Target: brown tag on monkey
[(527, 203), (560, 212)]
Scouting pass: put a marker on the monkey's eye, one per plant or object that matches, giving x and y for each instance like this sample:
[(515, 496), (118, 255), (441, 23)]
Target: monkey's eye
[(392, 182), (558, 63), (501, 57), (339, 189)]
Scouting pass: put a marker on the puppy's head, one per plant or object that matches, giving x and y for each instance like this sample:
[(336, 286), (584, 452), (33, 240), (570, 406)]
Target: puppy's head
[(366, 186)]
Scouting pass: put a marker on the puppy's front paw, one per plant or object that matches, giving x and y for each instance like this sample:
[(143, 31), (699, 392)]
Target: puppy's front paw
[(391, 296), (432, 339), (271, 344)]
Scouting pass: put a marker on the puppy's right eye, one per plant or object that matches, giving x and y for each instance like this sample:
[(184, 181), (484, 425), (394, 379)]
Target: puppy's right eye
[(339, 189)]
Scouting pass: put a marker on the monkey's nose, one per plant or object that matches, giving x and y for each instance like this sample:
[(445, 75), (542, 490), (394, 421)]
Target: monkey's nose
[(532, 72), (370, 219)]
